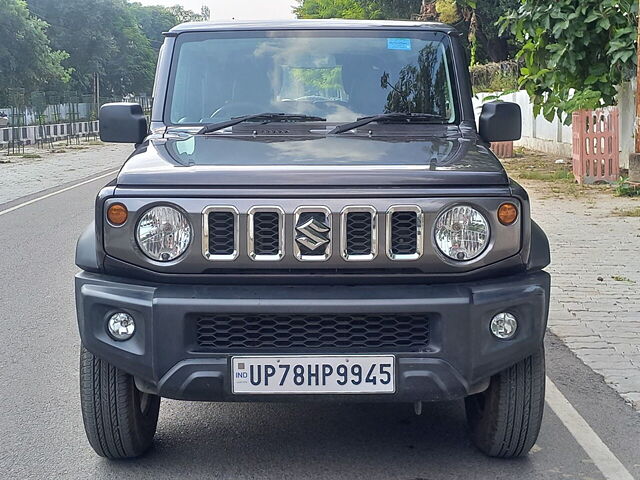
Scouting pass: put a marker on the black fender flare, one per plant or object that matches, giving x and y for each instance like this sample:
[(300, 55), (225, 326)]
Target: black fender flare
[(540, 254), (87, 252)]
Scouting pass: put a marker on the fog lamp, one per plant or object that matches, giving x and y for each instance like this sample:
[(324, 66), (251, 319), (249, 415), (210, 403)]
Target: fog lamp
[(504, 326), (121, 326)]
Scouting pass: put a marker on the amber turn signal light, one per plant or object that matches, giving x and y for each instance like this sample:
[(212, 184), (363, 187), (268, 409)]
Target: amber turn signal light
[(117, 214), (507, 213)]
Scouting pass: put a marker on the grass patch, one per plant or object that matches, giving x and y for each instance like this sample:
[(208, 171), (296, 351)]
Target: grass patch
[(558, 175), (94, 142), (59, 150), (30, 155), (627, 212), (622, 278), (626, 189), (540, 167)]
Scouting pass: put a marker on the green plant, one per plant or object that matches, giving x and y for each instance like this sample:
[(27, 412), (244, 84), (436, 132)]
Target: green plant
[(626, 189), (576, 52)]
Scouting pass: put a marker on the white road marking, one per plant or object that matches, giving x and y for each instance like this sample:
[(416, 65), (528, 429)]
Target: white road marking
[(62, 190), (604, 459)]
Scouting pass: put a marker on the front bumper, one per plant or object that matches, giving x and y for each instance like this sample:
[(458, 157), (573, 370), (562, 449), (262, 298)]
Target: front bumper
[(461, 357)]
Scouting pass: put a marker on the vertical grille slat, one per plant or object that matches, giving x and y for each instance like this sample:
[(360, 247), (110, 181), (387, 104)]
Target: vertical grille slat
[(404, 233), (359, 241), (267, 233), (221, 233), (220, 230)]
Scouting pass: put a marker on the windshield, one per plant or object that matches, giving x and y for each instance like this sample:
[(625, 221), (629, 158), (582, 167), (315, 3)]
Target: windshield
[(337, 75)]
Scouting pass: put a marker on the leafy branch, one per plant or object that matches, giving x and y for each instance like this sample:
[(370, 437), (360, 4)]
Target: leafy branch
[(575, 52)]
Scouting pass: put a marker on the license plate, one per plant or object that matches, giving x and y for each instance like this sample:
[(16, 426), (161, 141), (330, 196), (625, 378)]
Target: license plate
[(306, 374)]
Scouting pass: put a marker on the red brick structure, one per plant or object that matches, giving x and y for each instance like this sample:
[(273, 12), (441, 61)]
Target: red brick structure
[(596, 145)]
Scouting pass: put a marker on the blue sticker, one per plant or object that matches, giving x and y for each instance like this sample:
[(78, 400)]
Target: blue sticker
[(399, 43)]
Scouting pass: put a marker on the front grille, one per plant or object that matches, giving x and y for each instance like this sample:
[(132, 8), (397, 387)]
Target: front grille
[(359, 236), (404, 233), (221, 233), (266, 233), (308, 233), (345, 333)]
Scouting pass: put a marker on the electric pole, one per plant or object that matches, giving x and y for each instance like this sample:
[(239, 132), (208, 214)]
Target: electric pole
[(634, 160), (638, 87)]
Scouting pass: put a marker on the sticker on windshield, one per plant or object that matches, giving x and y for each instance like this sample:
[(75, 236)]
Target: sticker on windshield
[(399, 43)]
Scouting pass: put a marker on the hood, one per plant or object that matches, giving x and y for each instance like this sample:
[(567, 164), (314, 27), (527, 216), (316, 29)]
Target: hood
[(225, 161)]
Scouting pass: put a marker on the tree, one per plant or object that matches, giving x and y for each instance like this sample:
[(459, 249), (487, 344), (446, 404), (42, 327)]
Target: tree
[(108, 41), (26, 58), (183, 15), (576, 52), (476, 19), (154, 20), (332, 9)]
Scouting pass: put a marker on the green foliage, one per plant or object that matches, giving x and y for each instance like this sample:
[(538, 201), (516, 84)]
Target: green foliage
[(358, 9), (333, 9), (626, 189), (107, 40), (448, 11), (26, 58), (495, 77), (486, 43), (575, 52), (58, 46), (154, 20)]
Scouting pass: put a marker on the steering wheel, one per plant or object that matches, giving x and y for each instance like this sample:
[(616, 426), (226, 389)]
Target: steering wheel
[(237, 109)]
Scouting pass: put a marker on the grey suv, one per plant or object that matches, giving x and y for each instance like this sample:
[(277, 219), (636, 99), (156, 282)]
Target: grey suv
[(311, 213)]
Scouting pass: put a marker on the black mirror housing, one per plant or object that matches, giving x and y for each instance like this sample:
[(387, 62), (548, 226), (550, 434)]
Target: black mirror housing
[(500, 122), (122, 123)]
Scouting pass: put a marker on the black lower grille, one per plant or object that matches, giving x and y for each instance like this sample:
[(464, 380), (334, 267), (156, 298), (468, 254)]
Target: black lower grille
[(221, 233), (404, 233), (348, 332), (359, 233)]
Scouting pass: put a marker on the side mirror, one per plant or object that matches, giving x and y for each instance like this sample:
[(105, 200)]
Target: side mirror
[(500, 122), (122, 123)]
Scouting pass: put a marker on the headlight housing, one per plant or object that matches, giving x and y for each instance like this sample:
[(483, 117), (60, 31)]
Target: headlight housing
[(163, 233), (462, 233)]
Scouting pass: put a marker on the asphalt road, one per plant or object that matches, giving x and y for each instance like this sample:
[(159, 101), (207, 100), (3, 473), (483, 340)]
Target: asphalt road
[(41, 433)]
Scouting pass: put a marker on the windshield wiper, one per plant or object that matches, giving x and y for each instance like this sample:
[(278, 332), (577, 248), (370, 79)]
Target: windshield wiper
[(395, 117), (265, 117)]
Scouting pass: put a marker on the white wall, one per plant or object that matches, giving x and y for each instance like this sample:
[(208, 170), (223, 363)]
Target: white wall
[(83, 111), (555, 137)]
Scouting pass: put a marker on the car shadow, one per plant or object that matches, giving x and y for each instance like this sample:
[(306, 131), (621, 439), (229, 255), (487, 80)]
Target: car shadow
[(314, 440)]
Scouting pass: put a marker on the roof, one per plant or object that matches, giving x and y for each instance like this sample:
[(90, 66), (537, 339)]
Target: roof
[(329, 24)]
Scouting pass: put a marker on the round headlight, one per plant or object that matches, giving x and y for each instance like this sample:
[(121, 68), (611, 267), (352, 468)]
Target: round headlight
[(163, 233), (462, 233)]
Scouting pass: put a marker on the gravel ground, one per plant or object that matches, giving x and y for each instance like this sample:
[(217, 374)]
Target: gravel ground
[(24, 176)]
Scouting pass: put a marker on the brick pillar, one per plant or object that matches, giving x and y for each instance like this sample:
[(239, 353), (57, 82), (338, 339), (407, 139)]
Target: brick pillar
[(596, 145)]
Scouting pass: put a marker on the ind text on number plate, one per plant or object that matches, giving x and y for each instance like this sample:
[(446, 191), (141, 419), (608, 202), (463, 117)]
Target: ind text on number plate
[(313, 374)]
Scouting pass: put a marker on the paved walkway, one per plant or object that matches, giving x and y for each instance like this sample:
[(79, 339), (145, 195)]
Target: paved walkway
[(24, 176), (595, 271)]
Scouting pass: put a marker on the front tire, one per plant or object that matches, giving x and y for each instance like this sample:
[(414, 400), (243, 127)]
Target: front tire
[(505, 419), (120, 420)]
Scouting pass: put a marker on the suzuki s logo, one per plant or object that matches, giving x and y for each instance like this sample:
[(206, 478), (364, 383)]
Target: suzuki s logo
[(312, 233)]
